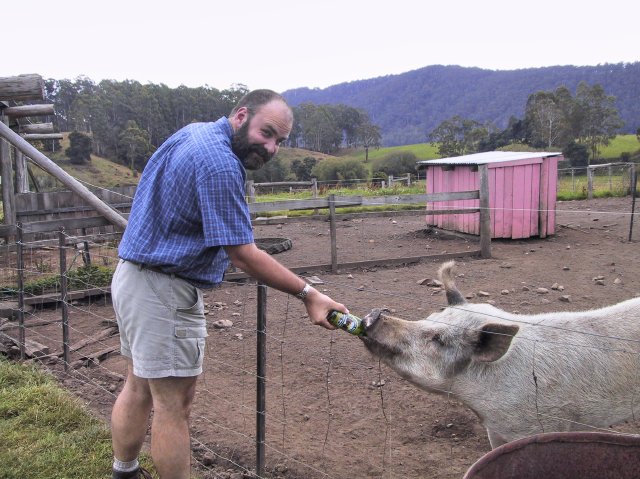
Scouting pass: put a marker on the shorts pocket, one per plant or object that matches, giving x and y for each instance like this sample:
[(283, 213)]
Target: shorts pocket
[(190, 344), (188, 298)]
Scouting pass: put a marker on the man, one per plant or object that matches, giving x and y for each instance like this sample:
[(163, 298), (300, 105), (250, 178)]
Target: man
[(188, 219)]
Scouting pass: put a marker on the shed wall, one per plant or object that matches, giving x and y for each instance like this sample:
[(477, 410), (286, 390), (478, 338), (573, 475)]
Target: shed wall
[(522, 197)]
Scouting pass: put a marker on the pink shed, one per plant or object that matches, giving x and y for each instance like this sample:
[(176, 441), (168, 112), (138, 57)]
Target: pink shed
[(522, 192)]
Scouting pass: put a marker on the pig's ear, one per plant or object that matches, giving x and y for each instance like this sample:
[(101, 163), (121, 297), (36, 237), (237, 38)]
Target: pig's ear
[(493, 341)]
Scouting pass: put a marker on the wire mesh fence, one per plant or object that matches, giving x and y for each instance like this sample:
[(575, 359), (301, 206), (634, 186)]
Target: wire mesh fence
[(332, 410), (597, 180)]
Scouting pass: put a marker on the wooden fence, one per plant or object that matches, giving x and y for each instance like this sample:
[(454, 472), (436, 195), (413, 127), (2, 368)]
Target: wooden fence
[(55, 220)]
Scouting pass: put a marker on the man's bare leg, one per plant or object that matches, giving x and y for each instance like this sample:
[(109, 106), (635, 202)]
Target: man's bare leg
[(130, 417), (170, 444)]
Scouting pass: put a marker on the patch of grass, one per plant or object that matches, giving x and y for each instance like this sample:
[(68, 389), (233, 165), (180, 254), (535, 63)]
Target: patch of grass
[(416, 188), (45, 432), (84, 277)]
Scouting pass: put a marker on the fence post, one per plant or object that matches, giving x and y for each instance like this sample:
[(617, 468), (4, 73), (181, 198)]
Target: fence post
[(261, 378), (390, 178), (485, 213), (408, 179), (22, 177), (63, 297), (573, 180), (21, 331), (314, 187), (589, 183), (634, 179), (6, 171), (332, 229), (86, 255), (250, 191)]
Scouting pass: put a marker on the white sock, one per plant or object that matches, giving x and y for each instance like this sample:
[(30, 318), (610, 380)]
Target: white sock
[(122, 466)]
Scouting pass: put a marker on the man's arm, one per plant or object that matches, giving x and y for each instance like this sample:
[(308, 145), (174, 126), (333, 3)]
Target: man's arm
[(261, 266)]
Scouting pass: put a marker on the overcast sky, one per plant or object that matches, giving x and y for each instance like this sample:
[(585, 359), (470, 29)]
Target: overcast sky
[(285, 44)]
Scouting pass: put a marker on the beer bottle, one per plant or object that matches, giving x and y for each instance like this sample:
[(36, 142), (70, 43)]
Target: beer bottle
[(350, 323)]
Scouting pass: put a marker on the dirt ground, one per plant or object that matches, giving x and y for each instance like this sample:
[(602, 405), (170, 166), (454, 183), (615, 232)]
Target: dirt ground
[(333, 411)]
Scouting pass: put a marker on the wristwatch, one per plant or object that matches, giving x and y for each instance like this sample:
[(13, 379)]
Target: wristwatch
[(303, 294)]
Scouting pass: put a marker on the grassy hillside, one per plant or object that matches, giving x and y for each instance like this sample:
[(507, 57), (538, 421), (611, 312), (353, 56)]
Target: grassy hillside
[(423, 151), (288, 155), (100, 172)]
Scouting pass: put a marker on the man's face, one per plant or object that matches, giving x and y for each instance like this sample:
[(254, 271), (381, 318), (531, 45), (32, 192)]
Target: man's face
[(258, 137)]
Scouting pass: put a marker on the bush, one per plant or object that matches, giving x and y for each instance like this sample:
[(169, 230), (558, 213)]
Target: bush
[(396, 164), (336, 169), (577, 154), (273, 171), (79, 151)]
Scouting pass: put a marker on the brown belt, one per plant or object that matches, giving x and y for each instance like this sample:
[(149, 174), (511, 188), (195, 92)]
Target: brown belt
[(149, 267)]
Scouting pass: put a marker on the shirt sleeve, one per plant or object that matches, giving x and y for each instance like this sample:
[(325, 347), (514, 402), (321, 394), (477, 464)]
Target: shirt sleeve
[(225, 214)]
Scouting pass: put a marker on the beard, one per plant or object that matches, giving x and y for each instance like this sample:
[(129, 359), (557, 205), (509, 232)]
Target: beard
[(252, 155)]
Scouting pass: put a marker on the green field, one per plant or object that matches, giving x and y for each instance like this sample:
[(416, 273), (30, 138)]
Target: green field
[(621, 144), (423, 151)]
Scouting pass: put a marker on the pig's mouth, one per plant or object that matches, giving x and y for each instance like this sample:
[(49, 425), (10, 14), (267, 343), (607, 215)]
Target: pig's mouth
[(377, 345)]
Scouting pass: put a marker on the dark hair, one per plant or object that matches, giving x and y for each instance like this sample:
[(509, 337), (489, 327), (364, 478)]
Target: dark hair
[(255, 99)]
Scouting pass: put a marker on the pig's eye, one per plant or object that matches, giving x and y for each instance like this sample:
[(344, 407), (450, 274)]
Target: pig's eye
[(436, 338)]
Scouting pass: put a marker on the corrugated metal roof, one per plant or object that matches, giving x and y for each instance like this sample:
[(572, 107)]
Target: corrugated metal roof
[(489, 157)]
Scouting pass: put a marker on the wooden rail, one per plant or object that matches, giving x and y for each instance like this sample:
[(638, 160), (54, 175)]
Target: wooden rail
[(331, 203)]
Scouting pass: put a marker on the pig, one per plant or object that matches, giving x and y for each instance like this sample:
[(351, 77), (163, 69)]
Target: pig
[(521, 374)]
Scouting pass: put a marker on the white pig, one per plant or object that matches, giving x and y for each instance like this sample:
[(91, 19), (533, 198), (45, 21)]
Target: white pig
[(521, 374)]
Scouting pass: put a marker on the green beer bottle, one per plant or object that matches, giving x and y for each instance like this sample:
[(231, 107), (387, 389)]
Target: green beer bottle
[(350, 323)]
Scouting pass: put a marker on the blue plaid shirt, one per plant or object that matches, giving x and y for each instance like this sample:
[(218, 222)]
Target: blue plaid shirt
[(188, 205)]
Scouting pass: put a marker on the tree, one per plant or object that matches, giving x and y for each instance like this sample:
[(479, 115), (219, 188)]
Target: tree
[(599, 118), (546, 119), (326, 128), (369, 136), (319, 128), (457, 136), (134, 146), (79, 151), (349, 120)]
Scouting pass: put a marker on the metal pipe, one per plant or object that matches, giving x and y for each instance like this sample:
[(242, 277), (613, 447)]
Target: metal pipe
[(261, 378), (63, 297)]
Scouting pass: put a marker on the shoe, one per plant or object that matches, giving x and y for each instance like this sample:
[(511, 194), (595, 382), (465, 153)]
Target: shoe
[(140, 473)]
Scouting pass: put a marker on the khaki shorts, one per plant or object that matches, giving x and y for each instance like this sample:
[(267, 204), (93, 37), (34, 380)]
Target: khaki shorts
[(161, 321)]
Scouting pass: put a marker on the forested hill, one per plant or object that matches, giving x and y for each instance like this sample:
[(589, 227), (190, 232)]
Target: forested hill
[(410, 105)]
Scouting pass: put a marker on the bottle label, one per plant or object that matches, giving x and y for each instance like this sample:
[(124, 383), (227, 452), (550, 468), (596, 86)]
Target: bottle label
[(348, 322)]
